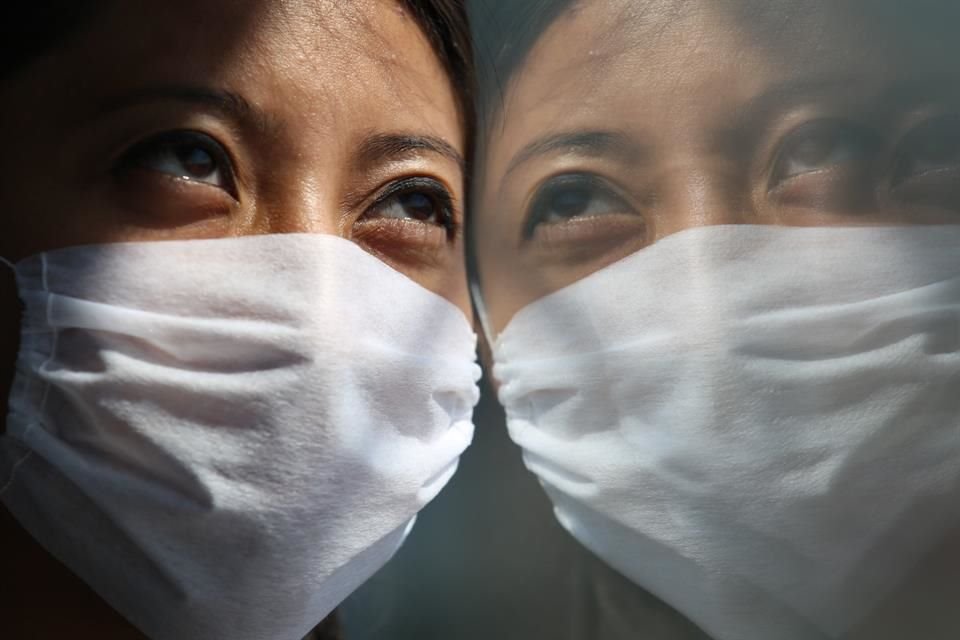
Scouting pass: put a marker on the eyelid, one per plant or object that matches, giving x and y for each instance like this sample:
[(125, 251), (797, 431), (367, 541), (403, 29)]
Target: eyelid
[(591, 143), (229, 107), (106, 135), (409, 183), (949, 122), (853, 131), (434, 186), (577, 179), (221, 152), (559, 181), (574, 178)]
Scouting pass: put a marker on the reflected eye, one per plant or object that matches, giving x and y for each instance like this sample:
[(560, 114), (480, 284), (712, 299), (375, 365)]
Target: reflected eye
[(418, 200), (933, 147), (187, 155), (823, 146), (572, 196)]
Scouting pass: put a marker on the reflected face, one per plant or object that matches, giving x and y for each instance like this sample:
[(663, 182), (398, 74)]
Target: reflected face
[(630, 121), (221, 118)]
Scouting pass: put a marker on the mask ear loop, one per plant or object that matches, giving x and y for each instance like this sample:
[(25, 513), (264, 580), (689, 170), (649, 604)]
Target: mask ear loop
[(481, 310), (7, 263)]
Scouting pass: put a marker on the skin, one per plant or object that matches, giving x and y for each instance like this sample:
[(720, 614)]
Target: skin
[(323, 110), (685, 114)]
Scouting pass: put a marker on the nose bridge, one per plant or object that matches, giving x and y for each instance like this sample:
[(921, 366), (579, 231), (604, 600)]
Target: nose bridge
[(697, 193), (303, 201), (301, 220)]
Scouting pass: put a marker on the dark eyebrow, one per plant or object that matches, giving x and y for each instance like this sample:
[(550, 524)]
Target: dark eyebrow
[(587, 143), (778, 98), (232, 105), (765, 107), (391, 146)]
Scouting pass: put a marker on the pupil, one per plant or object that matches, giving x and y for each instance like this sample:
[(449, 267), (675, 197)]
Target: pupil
[(418, 205), (571, 202), (197, 162)]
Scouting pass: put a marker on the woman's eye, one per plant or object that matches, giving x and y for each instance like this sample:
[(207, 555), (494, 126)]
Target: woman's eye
[(187, 155), (931, 148), (420, 200), (823, 146), (572, 196)]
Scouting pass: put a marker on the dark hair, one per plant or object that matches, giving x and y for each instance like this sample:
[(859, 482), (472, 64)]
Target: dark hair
[(504, 32), (446, 26), (37, 27)]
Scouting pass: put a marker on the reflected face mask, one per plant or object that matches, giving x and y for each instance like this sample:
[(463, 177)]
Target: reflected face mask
[(224, 438), (759, 425)]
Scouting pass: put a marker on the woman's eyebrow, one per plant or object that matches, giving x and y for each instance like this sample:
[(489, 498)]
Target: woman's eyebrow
[(231, 105), (894, 95), (784, 96), (613, 144), (380, 148)]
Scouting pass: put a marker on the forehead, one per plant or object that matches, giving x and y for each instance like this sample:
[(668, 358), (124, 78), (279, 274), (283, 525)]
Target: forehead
[(600, 49), (213, 33), (315, 57)]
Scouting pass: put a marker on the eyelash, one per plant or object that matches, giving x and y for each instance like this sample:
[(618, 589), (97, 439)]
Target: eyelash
[(834, 132), (152, 148), (943, 130), (438, 194), (596, 187), (867, 144)]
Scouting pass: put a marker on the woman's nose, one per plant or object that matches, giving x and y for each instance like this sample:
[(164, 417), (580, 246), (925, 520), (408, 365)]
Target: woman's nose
[(301, 206), (295, 220), (699, 195)]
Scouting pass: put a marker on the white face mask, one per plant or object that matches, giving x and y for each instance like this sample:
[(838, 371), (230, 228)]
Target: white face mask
[(759, 425), (224, 438)]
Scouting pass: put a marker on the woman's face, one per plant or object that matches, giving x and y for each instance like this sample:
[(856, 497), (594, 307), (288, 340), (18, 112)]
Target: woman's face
[(218, 118), (221, 118), (632, 121)]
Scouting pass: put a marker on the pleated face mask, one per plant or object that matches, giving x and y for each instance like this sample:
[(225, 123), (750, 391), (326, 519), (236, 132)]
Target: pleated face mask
[(760, 425), (224, 438)]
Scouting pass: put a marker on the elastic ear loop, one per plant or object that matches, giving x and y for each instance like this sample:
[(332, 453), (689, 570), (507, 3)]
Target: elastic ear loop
[(481, 310), (7, 263)]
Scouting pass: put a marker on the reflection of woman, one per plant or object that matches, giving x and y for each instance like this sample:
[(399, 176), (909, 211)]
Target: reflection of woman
[(226, 432), (718, 245)]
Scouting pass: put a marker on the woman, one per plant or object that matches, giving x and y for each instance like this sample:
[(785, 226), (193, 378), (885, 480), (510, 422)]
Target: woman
[(717, 245), (243, 359)]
